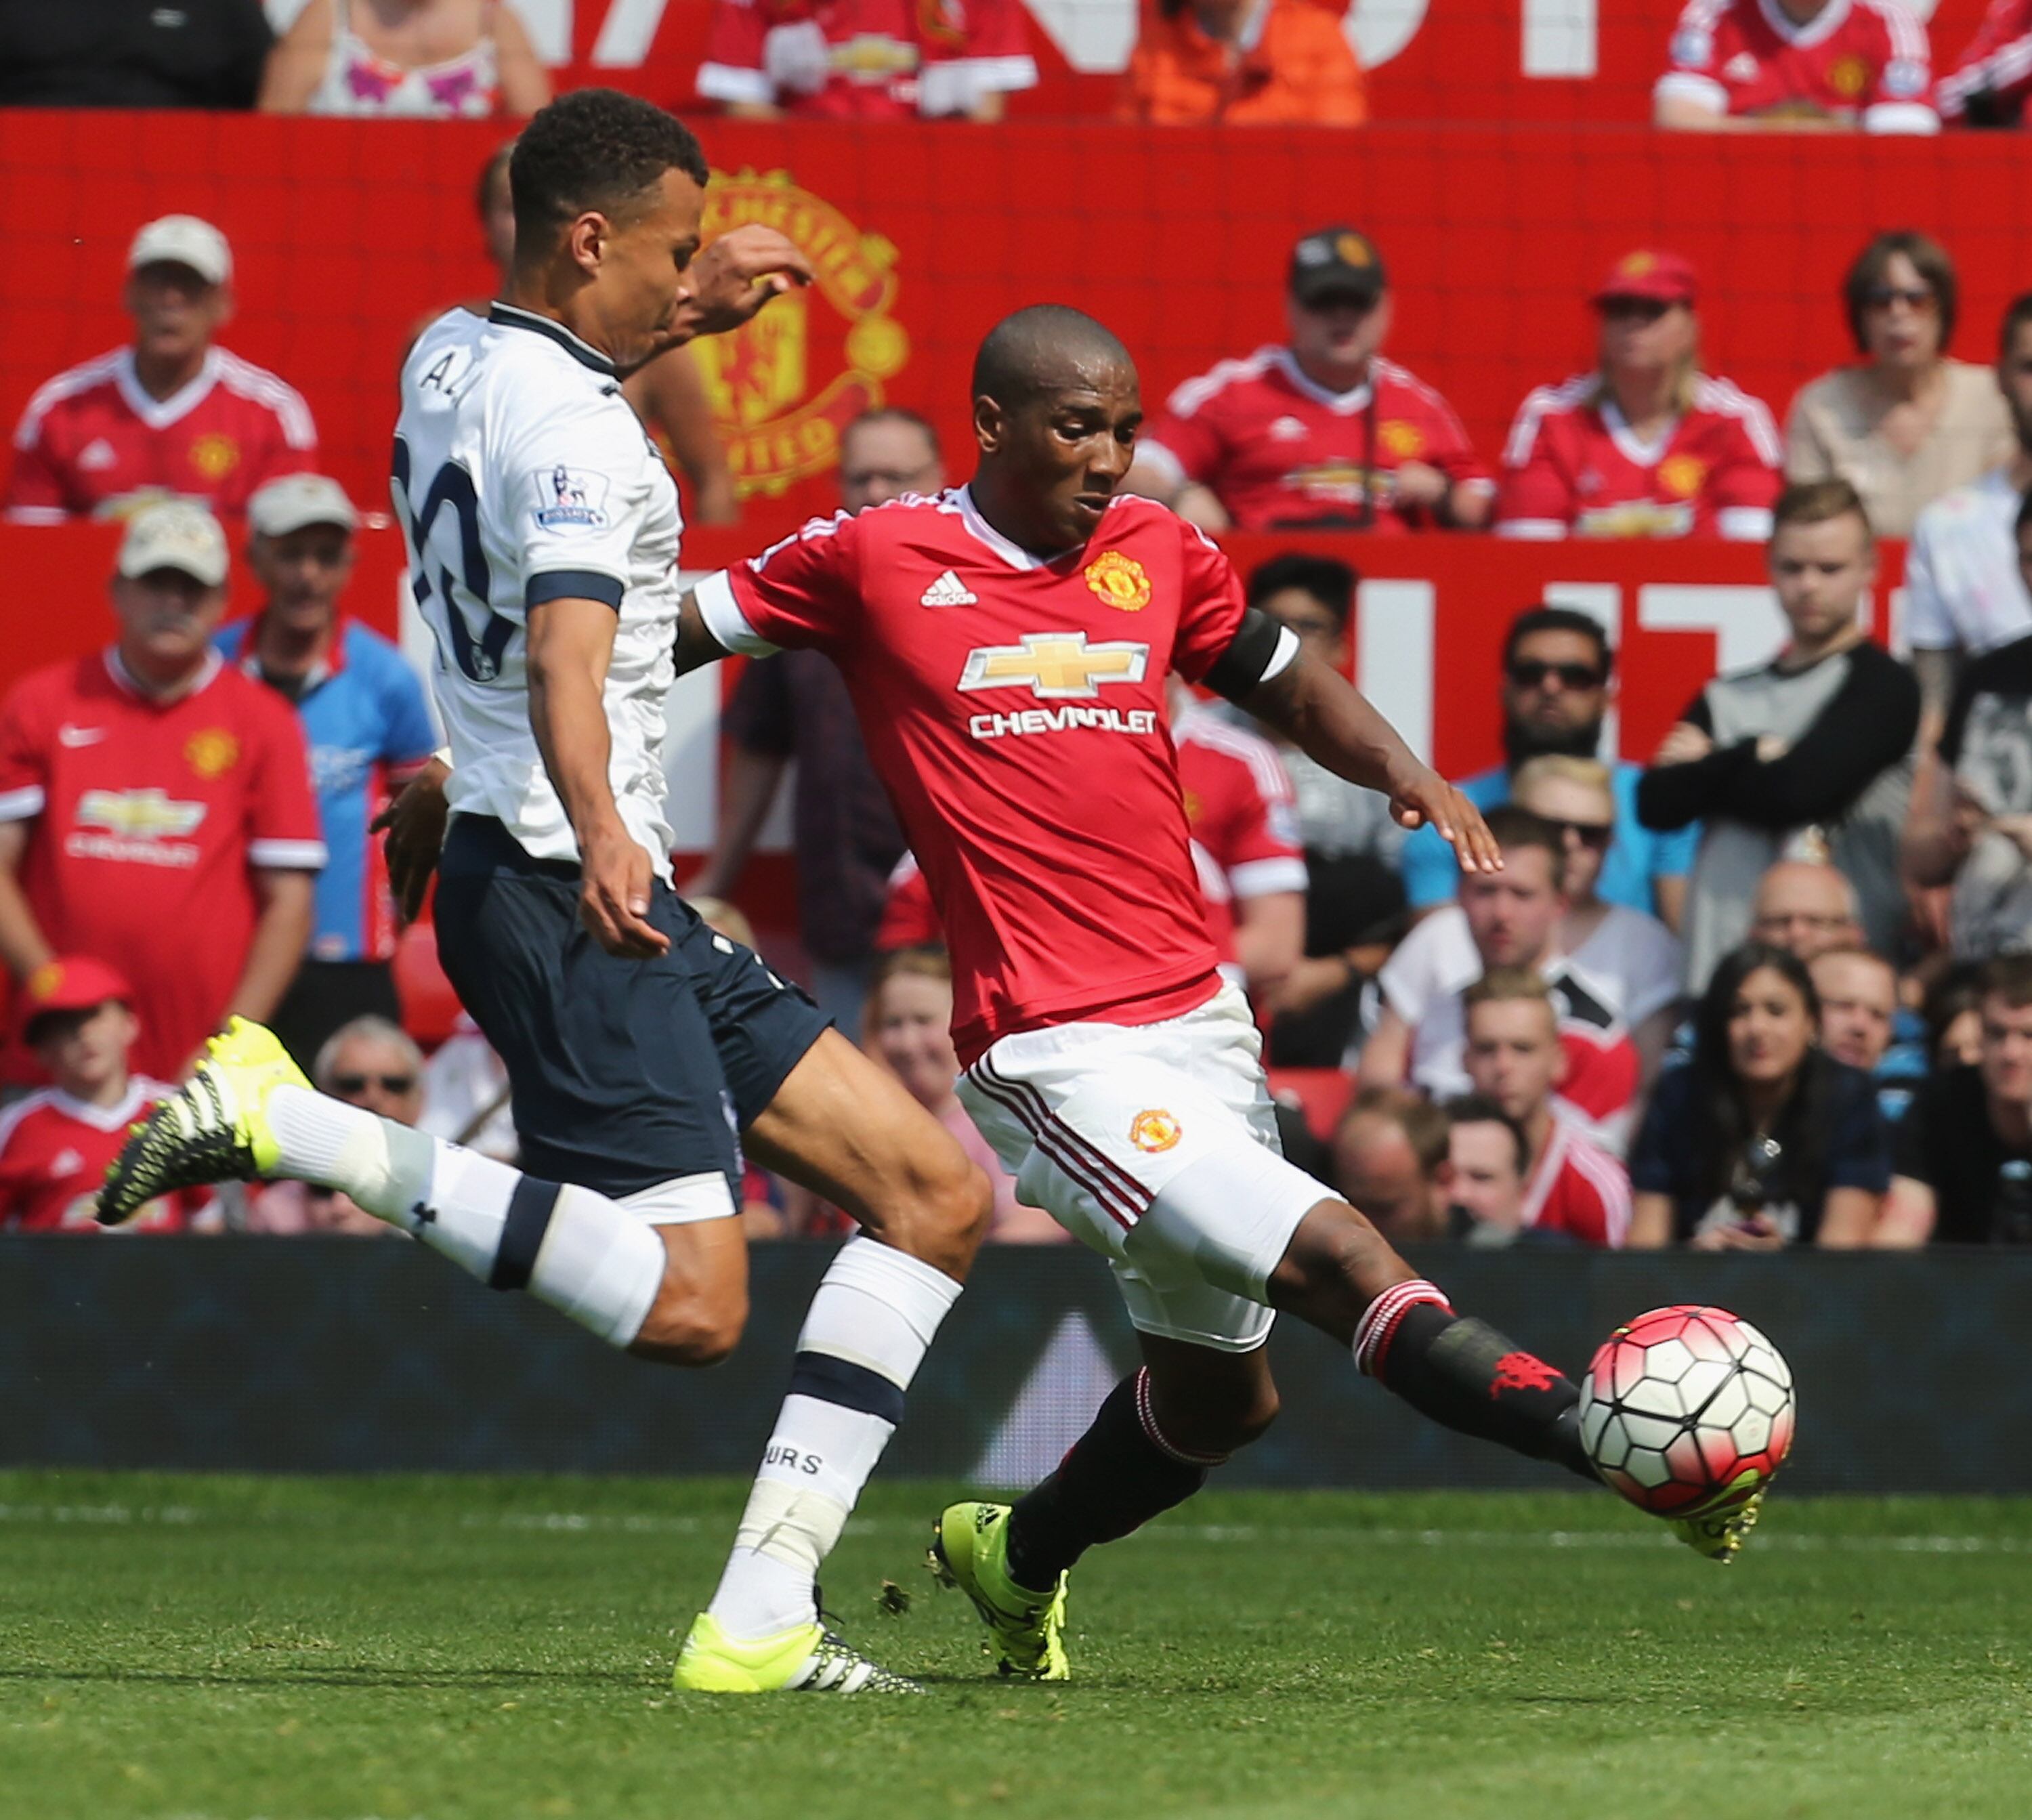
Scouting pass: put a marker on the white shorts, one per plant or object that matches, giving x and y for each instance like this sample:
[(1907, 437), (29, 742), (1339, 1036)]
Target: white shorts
[(1156, 1145)]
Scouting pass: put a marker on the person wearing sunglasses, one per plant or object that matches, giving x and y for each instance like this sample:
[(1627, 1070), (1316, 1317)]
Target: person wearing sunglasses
[(1806, 757), (1558, 677), (1322, 430), (370, 1063), (1647, 444), (1797, 66), (1906, 423)]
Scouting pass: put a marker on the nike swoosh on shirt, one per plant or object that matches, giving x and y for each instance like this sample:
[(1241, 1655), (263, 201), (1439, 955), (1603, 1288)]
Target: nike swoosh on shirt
[(80, 735)]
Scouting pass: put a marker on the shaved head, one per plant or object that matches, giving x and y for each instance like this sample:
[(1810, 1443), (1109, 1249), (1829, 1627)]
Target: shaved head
[(1045, 348)]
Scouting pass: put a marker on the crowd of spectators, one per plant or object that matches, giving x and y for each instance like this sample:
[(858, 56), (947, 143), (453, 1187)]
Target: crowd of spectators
[(1765, 66), (1769, 988)]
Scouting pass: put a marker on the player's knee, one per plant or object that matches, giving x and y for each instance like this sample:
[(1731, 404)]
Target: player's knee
[(1339, 1247), (691, 1328), (1243, 1415)]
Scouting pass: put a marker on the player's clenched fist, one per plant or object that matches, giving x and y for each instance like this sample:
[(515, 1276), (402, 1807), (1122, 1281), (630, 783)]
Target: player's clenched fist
[(735, 276)]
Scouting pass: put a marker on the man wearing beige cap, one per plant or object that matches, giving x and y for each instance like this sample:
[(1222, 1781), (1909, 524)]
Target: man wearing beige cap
[(172, 416), (155, 806), (363, 711)]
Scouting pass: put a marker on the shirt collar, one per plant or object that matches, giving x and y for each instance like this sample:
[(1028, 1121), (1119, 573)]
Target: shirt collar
[(509, 316), (124, 679), (1014, 554), (1343, 404), (240, 641), (160, 413)]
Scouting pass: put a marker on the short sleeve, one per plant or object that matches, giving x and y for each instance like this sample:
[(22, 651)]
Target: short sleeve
[(1673, 850), (35, 491), (567, 506), (1651, 1166), (1184, 441), (1859, 1143), (23, 753), (1212, 604), (1536, 497), (408, 735), (1259, 847), (1694, 63), (1806, 457), (1741, 489), (1901, 93), (283, 831), (1410, 980), (804, 593), (1451, 451), (732, 70), (1928, 627), (971, 52)]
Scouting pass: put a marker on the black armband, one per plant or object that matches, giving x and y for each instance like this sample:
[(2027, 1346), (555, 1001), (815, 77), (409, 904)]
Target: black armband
[(1245, 662)]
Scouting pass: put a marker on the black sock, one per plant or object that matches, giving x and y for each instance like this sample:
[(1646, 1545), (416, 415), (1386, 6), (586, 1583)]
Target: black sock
[(1464, 1374), (1118, 1476)]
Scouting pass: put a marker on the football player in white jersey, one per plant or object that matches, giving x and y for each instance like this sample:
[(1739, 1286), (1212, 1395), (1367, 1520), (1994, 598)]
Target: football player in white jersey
[(543, 530)]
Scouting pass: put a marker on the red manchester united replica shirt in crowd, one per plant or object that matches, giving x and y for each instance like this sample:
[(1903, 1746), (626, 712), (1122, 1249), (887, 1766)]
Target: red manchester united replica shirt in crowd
[(91, 443), (149, 818), (1277, 449), (55, 1152), (1861, 60), (1574, 465), (1997, 63), (1239, 806), (1578, 1188), (865, 59), (1015, 709)]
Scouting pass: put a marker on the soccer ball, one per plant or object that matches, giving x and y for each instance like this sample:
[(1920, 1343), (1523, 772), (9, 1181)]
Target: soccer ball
[(1686, 1408)]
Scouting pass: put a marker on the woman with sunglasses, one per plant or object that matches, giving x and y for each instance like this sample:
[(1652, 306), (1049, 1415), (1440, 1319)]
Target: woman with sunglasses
[(1906, 423), (1647, 444), (1761, 1140)]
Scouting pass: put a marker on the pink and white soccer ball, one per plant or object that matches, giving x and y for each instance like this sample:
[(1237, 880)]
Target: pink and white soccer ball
[(1686, 1408)]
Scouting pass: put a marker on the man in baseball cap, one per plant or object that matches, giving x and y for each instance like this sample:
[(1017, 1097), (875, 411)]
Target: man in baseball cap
[(369, 728), (1322, 431), (174, 412), (1648, 276)]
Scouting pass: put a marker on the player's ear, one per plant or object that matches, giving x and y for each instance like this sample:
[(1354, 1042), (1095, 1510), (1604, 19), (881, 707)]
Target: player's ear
[(586, 239), (991, 424)]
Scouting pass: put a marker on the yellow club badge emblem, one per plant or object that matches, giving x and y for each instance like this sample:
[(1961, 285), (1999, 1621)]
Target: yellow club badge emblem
[(212, 752), (1681, 476), (1155, 1131), (1119, 580)]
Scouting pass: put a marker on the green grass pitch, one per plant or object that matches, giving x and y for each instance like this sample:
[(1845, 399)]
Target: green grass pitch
[(198, 1648)]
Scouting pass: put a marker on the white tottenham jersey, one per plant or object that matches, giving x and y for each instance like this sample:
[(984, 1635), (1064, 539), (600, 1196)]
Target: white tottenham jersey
[(521, 475)]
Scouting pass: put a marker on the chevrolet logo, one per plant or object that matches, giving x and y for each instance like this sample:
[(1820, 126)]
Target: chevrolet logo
[(1057, 666), (139, 814)]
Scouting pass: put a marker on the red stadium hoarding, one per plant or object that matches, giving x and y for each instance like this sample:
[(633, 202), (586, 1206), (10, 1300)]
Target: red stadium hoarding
[(348, 234)]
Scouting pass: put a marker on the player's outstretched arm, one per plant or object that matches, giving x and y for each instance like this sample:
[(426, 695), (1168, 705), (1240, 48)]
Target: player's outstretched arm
[(696, 647), (1329, 719)]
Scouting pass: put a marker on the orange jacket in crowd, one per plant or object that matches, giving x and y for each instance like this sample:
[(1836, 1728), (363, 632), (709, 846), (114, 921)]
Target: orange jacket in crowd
[(1300, 70)]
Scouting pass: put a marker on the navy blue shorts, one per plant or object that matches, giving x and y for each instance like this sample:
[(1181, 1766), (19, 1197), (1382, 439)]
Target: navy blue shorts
[(626, 1073)]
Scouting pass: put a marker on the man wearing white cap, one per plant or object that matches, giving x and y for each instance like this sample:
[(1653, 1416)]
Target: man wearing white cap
[(173, 416), (155, 807), (362, 711)]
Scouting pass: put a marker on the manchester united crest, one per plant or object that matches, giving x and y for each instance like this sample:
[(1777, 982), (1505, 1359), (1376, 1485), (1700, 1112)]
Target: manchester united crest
[(1681, 475), (784, 385), (214, 456), (1402, 440), (212, 752), (1119, 580), (1155, 1131)]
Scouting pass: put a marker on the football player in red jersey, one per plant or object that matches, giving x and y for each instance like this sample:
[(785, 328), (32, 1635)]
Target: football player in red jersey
[(1007, 645)]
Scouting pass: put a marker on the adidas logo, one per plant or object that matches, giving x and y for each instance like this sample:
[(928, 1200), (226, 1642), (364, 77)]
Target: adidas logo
[(947, 591)]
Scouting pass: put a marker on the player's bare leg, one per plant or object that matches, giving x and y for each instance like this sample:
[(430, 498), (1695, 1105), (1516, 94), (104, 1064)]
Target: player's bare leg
[(1341, 1276), (845, 1129)]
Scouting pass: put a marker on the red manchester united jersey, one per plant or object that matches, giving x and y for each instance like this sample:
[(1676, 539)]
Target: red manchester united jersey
[(1859, 60), (1574, 465), (1239, 807), (1014, 708), (1578, 1188), (1997, 63), (865, 59), (54, 1151), (92, 442), (148, 817), (1276, 449)]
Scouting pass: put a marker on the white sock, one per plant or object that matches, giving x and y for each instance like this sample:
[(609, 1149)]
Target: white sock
[(865, 1334), (586, 1256)]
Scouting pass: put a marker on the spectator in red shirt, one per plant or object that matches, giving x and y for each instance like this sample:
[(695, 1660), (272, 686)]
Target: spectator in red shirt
[(1323, 432), (1798, 65), (1514, 1056), (155, 806), (1647, 444), (173, 415), (1989, 81), (55, 1145), (865, 59)]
